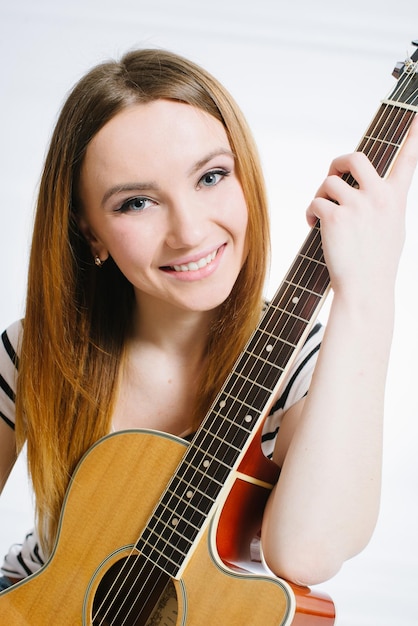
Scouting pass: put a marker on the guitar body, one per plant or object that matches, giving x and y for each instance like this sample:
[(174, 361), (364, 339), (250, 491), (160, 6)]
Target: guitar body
[(110, 499)]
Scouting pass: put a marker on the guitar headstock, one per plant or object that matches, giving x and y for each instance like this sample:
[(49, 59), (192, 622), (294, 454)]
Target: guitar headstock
[(406, 73), (401, 65)]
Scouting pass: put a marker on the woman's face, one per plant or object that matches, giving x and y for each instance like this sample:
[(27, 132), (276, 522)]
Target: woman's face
[(160, 195)]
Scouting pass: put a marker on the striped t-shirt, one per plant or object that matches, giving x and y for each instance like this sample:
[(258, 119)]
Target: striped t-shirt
[(26, 557)]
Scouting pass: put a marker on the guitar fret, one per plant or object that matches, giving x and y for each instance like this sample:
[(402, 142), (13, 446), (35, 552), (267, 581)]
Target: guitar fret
[(199, 478), (156, 551), (245, 404), (290, 286), (389, 128), (272, 336), (241, 378), (380, 155), (264, 348), (289, 314), (382, 141), (312, 247), (216, 455), (215, 444), (296, 300), (229, 397), (203, 476), (224, 425), (191, 491), (178, 527), (312, 274), (401, 105), (311, 251), (309, 258), (292, 327), (262, 387), (163, 561), (271, 330), (208, 502), (385, 135), (220, 442), (235, 430), (178, 540)]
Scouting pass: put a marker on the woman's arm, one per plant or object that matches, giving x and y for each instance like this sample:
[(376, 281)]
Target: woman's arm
[(324, 508), (7, 452)]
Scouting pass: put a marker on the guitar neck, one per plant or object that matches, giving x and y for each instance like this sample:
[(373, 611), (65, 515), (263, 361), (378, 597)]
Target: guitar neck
[(230, 425)]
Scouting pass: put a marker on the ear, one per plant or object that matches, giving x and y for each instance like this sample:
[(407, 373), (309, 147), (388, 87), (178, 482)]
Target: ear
[(97, 248)]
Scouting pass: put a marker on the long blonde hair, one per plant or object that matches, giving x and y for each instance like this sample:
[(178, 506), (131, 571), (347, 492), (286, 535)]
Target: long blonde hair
[(76, 317)]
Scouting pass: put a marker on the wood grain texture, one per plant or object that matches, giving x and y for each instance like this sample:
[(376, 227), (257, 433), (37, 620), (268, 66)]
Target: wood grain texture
[(111, 497)]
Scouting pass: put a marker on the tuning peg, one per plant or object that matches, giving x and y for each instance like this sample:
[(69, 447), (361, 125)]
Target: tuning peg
[(410, 66), (398, 69)]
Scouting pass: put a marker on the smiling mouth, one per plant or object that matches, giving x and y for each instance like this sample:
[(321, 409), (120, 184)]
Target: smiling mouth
[(195, 265)]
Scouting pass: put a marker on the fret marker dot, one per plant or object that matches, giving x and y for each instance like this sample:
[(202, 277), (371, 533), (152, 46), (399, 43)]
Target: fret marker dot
[(295, 300), (269, 348), (206, 463), (174, 521), (189, 494), (222, 404), (248, 419)]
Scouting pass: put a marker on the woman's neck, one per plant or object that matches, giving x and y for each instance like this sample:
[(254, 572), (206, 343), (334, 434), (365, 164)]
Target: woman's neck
[(179, 332)]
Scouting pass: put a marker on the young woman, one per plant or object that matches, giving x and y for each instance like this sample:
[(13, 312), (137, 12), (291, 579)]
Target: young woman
[(146, 279)]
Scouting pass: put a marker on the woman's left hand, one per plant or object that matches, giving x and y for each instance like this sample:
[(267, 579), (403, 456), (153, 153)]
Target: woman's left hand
[(363, 228)]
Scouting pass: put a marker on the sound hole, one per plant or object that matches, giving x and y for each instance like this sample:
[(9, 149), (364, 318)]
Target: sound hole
[(135, 593)]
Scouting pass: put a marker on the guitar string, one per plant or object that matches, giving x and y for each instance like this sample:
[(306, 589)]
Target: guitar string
[(400, 92), (119, 588), (369, 140), (395, 125)]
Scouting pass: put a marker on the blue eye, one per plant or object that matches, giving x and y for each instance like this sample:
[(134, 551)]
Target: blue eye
[(136, 204), (212, 178)]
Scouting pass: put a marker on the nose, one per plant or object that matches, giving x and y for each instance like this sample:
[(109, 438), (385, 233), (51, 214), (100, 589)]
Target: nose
[(185, 224)]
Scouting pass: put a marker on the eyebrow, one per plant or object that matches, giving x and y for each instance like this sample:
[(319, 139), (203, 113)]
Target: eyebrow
[(130, 187), (152, 186), (202, 162)]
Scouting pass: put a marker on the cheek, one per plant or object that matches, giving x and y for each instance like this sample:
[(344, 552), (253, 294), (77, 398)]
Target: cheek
[(241, 226), (239, 216), (131, 250)]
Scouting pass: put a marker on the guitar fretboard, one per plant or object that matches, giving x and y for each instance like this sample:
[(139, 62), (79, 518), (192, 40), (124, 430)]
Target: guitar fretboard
[(219, 443)]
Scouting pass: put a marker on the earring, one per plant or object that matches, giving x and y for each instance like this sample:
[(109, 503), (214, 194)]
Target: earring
[(98, 261)]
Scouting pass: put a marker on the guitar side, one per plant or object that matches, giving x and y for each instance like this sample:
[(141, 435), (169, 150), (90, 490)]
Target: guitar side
[(111, 497)]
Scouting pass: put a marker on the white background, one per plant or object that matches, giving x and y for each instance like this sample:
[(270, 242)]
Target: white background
[(309, 76)]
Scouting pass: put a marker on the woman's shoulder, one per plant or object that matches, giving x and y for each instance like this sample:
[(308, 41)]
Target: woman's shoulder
[(13, 333), (9, 363), (10, 343)]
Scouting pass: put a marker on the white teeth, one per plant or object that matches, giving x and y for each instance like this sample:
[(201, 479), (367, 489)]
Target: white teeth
[(196, 265)]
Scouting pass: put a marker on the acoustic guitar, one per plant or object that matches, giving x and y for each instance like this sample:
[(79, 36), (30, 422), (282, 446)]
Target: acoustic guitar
[(157, 532)]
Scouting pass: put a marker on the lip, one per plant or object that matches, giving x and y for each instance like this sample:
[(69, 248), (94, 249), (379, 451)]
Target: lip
[(193, 258), (197, 274)]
